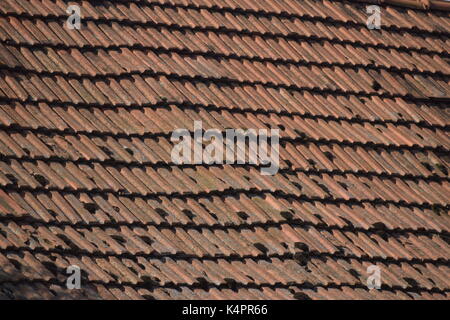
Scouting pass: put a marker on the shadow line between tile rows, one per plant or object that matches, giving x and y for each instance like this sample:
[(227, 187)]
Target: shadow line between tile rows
[(196, 106), (230, 192), (299, 257), (219, 56), (282, 14), (24, 220), (61, 19)]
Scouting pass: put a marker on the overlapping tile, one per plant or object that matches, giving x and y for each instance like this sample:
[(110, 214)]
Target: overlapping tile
[(87, 179)]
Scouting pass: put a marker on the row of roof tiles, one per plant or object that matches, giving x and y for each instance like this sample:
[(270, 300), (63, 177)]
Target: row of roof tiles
[(142, 149), (168, 273), (355, 80), (149, 90), (228, 209), (96, 194), (173, 180), (56, 58), (333, 12), (107, 32), (159, 123), (95, 291), (235, 244), (148, 272), (309, 157)]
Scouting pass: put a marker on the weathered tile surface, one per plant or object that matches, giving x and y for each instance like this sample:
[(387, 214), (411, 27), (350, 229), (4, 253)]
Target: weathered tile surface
[(86, 176)]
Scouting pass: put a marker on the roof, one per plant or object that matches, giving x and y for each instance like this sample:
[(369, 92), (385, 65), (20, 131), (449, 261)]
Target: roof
[(415, 4), (87, 178)]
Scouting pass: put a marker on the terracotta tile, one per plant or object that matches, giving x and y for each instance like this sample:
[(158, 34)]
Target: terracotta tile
[(86, 117)]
